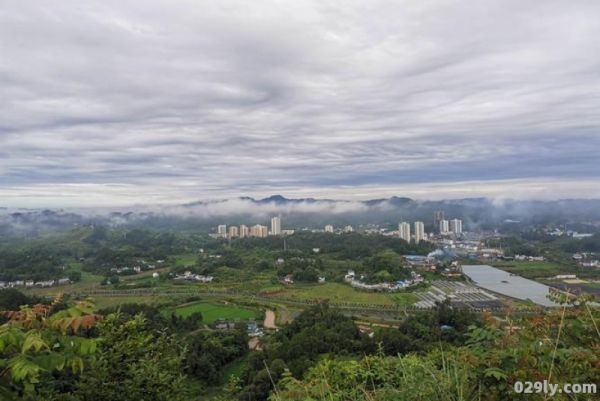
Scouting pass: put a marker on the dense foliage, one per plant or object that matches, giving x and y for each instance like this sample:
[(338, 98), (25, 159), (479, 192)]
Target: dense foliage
[(33, 262), (138, 353), (561, 347), (132, 363), (208, 353)]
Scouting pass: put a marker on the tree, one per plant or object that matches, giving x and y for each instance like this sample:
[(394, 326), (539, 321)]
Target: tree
[(12, 299), (74, 276), (34, 344), (133, 364)]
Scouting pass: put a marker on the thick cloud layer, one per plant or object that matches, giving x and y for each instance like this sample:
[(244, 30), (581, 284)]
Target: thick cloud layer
[(112, 102)]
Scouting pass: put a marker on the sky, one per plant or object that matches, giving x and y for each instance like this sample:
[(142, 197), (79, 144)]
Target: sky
[(108, 102)]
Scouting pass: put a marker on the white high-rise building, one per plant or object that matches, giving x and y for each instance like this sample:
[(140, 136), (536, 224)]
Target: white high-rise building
[(258, 230), (328, 228), (444, 227), (233, 232), (244, 231), (276, 226), (348, 229), (404, 229), (264, 231), (419, 231), (456, 226), (222, 230)]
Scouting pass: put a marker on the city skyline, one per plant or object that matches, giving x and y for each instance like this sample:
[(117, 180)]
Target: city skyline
[(114, 104)]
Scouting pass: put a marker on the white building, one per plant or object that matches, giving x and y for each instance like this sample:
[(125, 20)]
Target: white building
[(419, 231), (456, 226), (404, 229), (328, 228), (276, 226), (244, 231), (258, 230), (444, 227), (222, 230), (233, 232), (348, 229)]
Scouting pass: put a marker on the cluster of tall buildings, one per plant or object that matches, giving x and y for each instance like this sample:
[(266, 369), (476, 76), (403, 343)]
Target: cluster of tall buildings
[(445, 226), (404, 231), (329, 228), (453, 226), (244, 231)]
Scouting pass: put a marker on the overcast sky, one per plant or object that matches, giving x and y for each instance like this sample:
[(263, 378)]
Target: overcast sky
[(127, 102)]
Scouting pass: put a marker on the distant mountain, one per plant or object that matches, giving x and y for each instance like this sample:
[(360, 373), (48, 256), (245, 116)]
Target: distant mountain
[(305, 212)]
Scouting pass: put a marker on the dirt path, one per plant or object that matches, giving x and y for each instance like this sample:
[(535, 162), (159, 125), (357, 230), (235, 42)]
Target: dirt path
[(254, 344), (269, 322)]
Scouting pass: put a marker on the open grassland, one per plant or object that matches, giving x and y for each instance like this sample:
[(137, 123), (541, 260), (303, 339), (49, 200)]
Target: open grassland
[(214, 311), (533, 269), (342, 293), (186, 259), (235, 368), (106, 302)]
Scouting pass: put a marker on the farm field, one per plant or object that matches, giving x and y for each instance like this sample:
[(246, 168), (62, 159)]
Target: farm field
[(187, 259), (342, 293), (532, 269), (214, 311), (106, 302)]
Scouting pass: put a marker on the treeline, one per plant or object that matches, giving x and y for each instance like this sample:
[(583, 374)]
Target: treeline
[(307, 256), (343, 246), (537, 244), (100, 249), (321, 332), (108, 249), (484, 365), (32, 262)]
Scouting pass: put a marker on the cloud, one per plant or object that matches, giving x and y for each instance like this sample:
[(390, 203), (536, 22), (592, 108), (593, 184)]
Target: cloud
[(155, 101)]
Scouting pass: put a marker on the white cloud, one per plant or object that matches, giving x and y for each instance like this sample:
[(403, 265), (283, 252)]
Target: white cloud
[(156, 101)]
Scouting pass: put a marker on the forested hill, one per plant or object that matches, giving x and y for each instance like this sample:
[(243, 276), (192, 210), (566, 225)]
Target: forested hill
[(296, 213)]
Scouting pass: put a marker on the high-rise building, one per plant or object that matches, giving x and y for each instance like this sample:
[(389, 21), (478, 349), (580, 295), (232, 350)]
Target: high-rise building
[(438, 216), (258, 230), (328, 228), (404, 229), (222, 230), (264, 231), (348, 229), (233, 232), (276, 226), (244, 231), (444, 227), (456, 226), (419, 231)]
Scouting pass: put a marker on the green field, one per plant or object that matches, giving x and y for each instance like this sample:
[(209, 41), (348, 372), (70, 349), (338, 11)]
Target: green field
[(188, 259), (235, 368), (533, 269), (343, 293), (214, 311)]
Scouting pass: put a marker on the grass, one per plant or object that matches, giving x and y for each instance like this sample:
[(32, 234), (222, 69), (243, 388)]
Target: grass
[(533, 269), (404, 298), (87, 282), (235, 368), (105, 302), (214, 311), (187, 259), (339, 293)]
